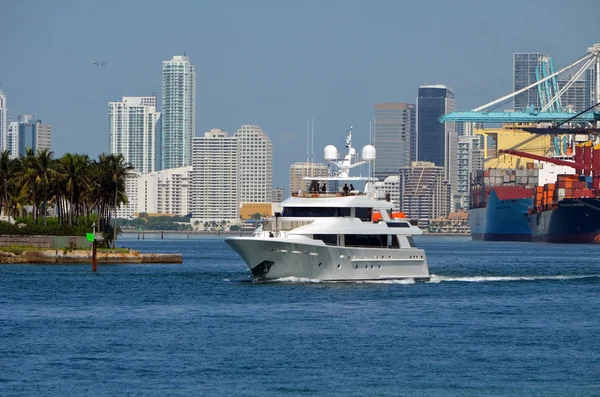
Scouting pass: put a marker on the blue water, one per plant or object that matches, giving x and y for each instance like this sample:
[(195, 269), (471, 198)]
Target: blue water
[(499, 319)]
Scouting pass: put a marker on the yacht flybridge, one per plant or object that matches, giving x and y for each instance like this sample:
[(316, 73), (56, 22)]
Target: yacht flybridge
[(330, 234)]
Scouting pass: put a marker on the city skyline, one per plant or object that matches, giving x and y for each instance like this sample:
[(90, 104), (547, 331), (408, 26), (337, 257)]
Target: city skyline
[(266, 66)]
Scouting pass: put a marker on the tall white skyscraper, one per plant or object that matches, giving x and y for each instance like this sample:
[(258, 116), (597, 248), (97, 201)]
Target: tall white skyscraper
[(178, 112), (133, 129), (215, 166), (3, 123), (256, 164)]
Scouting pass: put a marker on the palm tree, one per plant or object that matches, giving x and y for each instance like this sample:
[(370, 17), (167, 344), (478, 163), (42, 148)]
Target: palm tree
[(46, 173), (118, 170), (7, 174), (17, 196), (28, 177), (75, 168)]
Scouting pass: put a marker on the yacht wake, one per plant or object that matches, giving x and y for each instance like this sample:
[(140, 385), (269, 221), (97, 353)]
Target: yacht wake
[(479, 279)]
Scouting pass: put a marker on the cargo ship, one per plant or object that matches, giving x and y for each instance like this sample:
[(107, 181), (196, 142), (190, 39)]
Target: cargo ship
[(499, 202), (503, 218), (568, 211), (501, 199)]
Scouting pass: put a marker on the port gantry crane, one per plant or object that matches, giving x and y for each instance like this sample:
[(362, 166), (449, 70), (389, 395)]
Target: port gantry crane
[(550, 119)]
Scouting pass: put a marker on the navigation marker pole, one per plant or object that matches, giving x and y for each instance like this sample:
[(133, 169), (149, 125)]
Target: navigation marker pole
[(94, 259)]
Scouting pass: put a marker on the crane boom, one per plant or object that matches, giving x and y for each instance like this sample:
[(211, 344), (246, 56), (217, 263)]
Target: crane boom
[(547, 159)]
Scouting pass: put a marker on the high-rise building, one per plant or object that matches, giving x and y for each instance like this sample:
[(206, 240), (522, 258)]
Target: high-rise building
[(133, 130), (575, 98), (215, 167), (3, 123), (394, 134), (33, 135), (178, 112), (255, 176), (524, 74), (424, 192), (470, 159), (300, 170), (437, 142), (591, 87), (12, 141)]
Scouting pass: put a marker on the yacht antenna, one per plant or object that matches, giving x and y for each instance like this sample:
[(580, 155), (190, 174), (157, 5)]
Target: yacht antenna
[(307, 142), (370, 138), (312, 138)]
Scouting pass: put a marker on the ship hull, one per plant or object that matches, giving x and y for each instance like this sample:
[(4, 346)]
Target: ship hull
[(572, 221), (501, 220), (275, 258)]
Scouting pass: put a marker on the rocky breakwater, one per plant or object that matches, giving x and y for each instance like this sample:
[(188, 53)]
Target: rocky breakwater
[(85, 256)]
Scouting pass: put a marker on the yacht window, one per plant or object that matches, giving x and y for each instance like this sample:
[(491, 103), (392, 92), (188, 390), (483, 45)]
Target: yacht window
[(315, 212), (364, 214), (398, 224), (366, 240), (395, 243), (329, 239)]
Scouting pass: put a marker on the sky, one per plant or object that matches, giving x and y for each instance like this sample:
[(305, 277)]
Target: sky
[(273, 63)]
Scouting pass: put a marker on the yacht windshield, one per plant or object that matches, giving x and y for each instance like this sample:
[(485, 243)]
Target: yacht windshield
[(315, 212)]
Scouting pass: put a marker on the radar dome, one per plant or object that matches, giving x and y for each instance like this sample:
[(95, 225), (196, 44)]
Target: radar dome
[(331, 153), (368, 153)]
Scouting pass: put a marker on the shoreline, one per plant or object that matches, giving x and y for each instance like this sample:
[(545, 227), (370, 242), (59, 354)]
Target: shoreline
[(85, 256)]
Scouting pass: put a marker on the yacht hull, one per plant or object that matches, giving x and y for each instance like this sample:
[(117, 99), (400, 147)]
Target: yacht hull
[(275, 258)]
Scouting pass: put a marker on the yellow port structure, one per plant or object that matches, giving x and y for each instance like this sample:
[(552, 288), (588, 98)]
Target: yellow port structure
[(511, 137)]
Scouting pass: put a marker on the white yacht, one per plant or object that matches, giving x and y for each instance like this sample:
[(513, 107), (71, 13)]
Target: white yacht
[(335, 236)]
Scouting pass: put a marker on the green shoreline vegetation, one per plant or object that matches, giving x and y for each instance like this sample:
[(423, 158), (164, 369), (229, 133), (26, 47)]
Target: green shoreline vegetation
[(79, 190)]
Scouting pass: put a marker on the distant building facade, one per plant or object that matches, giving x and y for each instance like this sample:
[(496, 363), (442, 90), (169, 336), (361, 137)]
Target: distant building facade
[(592, 87), (465, 128), (178, 112), (394, 137), (391, 186), (12, 140), (278, 195), (255, 177), (524, 74), (33, 134), (215, 187), (160, 192), (424, 192), (300, 170), (470, 159), (133, 131), (575, 98), (437, 142), (3, 123)]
